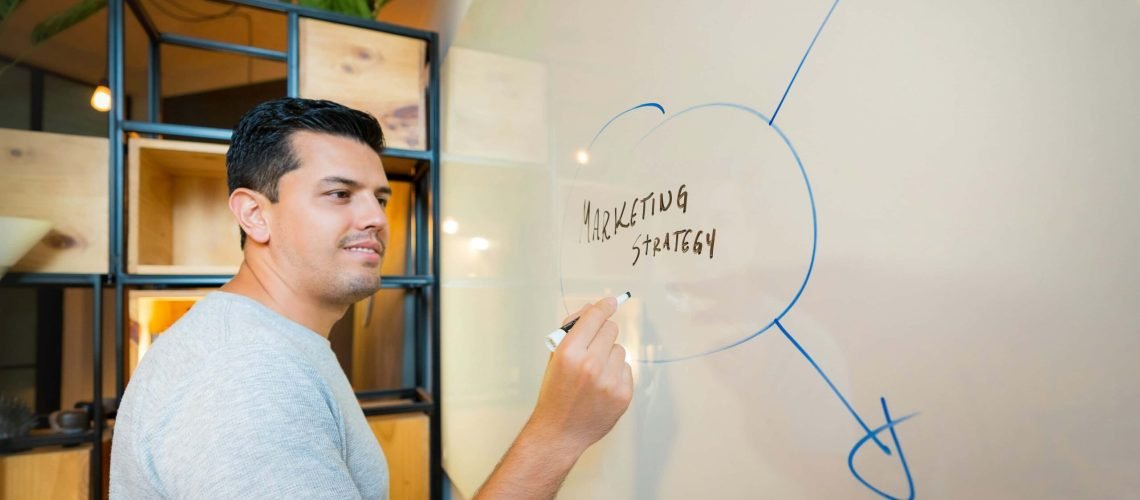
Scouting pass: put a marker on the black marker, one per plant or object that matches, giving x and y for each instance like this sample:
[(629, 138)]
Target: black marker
[(556, 336)]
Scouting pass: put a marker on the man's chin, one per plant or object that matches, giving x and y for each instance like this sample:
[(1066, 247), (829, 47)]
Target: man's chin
[(358, 289)]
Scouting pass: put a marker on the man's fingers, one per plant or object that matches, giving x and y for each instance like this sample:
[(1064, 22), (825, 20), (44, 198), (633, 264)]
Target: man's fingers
[(589, 322), (605, 339), (615, 365)]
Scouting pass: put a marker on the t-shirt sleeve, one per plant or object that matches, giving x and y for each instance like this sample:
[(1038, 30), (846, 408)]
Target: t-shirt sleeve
[(258, 423)]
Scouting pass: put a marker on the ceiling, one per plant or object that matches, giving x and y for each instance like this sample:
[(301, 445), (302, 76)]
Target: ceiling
[(80, 52)]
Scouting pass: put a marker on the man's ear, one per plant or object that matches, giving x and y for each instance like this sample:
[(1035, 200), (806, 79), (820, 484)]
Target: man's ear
[(250, 209)]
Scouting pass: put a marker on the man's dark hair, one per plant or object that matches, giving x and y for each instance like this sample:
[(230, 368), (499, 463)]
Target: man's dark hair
[(261, 152)]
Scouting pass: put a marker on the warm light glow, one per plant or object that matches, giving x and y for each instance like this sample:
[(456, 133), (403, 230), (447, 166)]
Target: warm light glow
[(450, 226), (479, 244), (583, 156), (101, 98)]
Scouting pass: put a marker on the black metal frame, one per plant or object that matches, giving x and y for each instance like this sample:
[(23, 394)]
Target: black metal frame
[(421, 282)]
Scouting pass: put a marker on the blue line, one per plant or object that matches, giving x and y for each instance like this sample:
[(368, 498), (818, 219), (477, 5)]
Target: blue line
[(794, 75), (859, 444), (603, 129), (833, 388), (814, 229), (902, 458)]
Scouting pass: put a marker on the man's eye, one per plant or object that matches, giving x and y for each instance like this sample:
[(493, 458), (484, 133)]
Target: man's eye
[(340, 194), (383, 202)]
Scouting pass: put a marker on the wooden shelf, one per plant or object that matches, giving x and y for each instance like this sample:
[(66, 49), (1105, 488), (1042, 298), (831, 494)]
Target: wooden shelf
[(151, 312), (178, 217), (348, 65), (52, 472), (404, 439), (63, 179)]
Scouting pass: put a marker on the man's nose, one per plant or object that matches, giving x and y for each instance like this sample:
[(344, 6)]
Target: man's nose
[(372, 216)]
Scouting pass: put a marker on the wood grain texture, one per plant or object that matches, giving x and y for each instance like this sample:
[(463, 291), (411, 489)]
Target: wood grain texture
[(380, 73), (53, 473), (61, 178), (404, 439), (77, 371), (378, 321), (494, 107), (178, 220)]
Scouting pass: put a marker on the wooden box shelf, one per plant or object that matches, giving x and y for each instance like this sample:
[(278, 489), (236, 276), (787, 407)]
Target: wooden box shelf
[(404, 439), (178, 218), (63, 179), (381, 73), (151, 312)]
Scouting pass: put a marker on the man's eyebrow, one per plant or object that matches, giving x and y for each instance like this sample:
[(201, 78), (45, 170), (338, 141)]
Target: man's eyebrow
[(334, 179)]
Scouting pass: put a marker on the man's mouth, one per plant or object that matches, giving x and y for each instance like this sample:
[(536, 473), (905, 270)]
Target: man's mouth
[(366, 247)]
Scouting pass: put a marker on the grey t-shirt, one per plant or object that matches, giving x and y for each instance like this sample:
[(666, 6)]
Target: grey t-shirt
[(236, 401)]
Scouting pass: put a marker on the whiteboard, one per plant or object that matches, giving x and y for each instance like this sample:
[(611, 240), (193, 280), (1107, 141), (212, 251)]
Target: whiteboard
[(903, 266)]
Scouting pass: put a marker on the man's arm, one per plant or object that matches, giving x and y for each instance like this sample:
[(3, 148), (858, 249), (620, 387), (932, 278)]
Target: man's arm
[(586, 389)]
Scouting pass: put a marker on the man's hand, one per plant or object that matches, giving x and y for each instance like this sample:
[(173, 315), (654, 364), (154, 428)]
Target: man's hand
[(588, 384), (586, 389)]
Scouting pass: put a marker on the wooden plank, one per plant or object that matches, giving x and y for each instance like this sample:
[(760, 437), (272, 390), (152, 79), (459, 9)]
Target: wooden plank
[(376, 72), (49, 473), (404, 439), (206, 233), (75, 380), (378, 328), (150, 230), (63, 179)]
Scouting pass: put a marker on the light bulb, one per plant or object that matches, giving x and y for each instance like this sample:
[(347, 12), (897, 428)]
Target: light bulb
[(478, 244), (450, 226), (101, 98)]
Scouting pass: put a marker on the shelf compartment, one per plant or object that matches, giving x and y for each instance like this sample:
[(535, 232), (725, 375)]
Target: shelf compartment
[(348, 64), (178, 217), (64, 179), (151, 313)]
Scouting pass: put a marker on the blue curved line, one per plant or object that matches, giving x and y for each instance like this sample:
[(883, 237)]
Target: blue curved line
[(814, 228), (603, 129), (832, 386), (859, 444), (808, 51), (561, 280)]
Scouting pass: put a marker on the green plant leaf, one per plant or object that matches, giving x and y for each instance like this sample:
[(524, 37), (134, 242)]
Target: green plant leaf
[(61, 21), (6, 8)]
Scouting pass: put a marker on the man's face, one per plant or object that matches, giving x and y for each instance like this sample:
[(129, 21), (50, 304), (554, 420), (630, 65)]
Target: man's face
[(328, 229)]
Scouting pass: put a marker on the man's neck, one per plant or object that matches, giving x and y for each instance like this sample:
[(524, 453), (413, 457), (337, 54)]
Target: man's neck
[(266, 286)]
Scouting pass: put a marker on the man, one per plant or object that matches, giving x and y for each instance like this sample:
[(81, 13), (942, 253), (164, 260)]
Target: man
[(244, 398)]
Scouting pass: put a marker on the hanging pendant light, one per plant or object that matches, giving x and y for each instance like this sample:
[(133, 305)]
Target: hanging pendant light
[(101, 98)]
